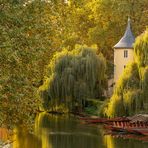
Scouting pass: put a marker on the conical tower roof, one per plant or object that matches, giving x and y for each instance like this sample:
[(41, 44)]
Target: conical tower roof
[(127, 40)]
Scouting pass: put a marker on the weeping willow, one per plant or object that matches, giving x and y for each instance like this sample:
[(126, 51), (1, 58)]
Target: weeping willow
[(71, 78), (131, 93), (141, 49)]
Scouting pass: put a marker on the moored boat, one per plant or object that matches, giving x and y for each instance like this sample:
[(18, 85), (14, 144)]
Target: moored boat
[(137, 125)]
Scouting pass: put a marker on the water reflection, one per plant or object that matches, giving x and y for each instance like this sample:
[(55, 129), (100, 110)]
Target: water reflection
[(23, 139), (65, 132), (109, 141), (53, 131), (112, 142)]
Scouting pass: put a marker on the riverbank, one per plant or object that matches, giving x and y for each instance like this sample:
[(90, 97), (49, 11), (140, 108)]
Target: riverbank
[(55, 126), (6, 144)]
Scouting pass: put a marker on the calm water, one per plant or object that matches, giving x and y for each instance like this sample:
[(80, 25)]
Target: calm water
[(66, 132)]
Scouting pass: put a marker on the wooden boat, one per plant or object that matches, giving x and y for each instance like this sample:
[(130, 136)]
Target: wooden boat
[(129, 136), (137, 125), (116, 129), (93, 119), (143, 131), (102, 120)]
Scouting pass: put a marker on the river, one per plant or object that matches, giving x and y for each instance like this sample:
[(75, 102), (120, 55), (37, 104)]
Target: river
[(60, 131)]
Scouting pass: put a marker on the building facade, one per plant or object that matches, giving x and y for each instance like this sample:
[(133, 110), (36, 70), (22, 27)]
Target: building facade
[(123, 52)]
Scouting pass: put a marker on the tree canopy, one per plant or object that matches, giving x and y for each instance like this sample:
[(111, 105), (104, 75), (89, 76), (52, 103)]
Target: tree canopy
[(72, 77), (24, 50), (32, 30)]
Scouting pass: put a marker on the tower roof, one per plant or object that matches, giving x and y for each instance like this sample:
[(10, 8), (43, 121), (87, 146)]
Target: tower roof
[(128, 39)]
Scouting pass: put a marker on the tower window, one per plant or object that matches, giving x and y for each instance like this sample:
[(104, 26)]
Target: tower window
[(125, 53), (124, 66)]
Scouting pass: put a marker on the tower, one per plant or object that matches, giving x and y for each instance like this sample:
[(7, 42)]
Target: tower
[(123, 52)]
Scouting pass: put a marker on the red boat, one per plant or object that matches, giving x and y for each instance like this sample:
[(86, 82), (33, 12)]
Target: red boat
[(103, 120), (129, 136), (93, 119), (137, 124)]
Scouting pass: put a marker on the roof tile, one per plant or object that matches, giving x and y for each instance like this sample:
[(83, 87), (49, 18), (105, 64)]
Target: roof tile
[(127, 40)]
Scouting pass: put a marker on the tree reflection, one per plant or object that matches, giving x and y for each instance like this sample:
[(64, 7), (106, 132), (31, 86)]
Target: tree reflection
[(65, 132), (23, 139), (109, 141), (53, 131)]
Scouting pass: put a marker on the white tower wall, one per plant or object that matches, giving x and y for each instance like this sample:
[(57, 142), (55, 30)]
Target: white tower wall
[(120, 61), (123, 52)]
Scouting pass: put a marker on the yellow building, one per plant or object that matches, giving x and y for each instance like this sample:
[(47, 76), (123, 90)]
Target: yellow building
[(123, 52)]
